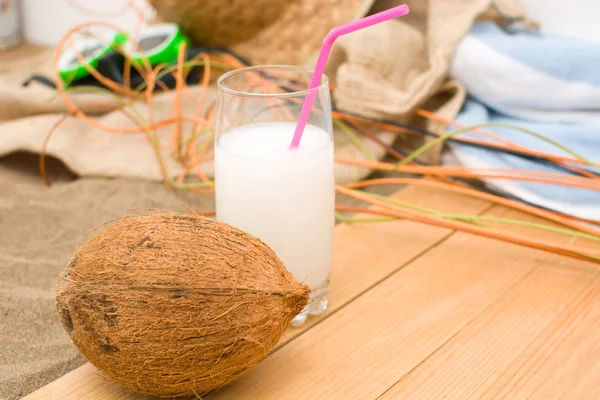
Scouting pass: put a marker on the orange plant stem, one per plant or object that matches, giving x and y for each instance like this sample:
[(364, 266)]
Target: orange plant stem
[(548, 247), (404, 213), (531, 176), (511, 145), (548, 215)]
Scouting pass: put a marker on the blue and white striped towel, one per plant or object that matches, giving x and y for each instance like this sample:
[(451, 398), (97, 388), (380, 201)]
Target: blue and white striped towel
[(548, 84)]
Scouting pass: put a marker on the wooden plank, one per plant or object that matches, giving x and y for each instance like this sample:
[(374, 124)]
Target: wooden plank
[(355, 270), (86, 383), (367, 346), (364, 255), (539, 341)]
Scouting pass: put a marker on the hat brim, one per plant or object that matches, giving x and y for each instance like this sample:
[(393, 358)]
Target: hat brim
[(299, 31)]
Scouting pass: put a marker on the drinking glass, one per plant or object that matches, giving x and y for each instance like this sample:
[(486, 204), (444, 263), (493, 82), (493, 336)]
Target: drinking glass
[(284, 196)]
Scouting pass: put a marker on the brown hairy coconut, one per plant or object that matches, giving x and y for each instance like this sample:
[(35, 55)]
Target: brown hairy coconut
[(176, 304)]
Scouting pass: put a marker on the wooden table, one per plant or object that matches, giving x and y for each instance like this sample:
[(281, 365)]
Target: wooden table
[(421, 312)]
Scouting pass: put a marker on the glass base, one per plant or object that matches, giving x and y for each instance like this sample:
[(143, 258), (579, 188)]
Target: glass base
[(316, 306)]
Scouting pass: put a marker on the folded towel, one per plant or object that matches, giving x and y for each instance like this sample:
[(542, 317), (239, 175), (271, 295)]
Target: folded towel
[(547, 84), (531, 75)]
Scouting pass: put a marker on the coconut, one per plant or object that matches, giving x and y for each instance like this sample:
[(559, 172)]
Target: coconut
[(176, 304)]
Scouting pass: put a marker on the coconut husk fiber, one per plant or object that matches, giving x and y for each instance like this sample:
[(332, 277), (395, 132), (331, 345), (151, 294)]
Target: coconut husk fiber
[(176, 304)]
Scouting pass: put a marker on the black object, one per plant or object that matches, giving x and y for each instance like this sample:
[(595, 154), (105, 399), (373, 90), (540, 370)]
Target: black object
[(112, 66)]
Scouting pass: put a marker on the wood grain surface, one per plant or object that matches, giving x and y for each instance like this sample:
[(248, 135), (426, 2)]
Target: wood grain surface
[(420, 312)]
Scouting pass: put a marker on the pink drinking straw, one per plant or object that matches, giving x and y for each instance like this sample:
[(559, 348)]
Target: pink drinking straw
[(324, 54)]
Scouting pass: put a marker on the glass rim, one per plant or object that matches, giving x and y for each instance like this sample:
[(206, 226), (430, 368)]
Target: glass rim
[(220, 82)]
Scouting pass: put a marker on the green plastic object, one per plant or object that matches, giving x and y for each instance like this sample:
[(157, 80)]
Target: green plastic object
[(92, 50), (159, 44)]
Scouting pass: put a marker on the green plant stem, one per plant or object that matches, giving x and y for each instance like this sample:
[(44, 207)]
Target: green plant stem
[(354, 138), (185, 65), (151, 136), (351, 220), (473, 219), (447, 136)]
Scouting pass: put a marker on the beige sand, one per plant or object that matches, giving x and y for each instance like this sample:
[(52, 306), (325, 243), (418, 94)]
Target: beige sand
[(39, 230)]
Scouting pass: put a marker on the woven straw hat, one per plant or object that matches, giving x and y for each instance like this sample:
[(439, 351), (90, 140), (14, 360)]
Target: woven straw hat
[(264, 31)]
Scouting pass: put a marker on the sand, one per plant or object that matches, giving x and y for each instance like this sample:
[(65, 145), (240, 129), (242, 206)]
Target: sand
[(39, 231)]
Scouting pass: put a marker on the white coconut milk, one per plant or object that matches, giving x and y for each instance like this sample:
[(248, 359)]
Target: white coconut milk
[(285, 197)]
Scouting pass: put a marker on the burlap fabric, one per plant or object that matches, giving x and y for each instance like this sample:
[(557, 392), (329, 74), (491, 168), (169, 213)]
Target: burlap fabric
[(386, 71), (28, 114), (389, 70)]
